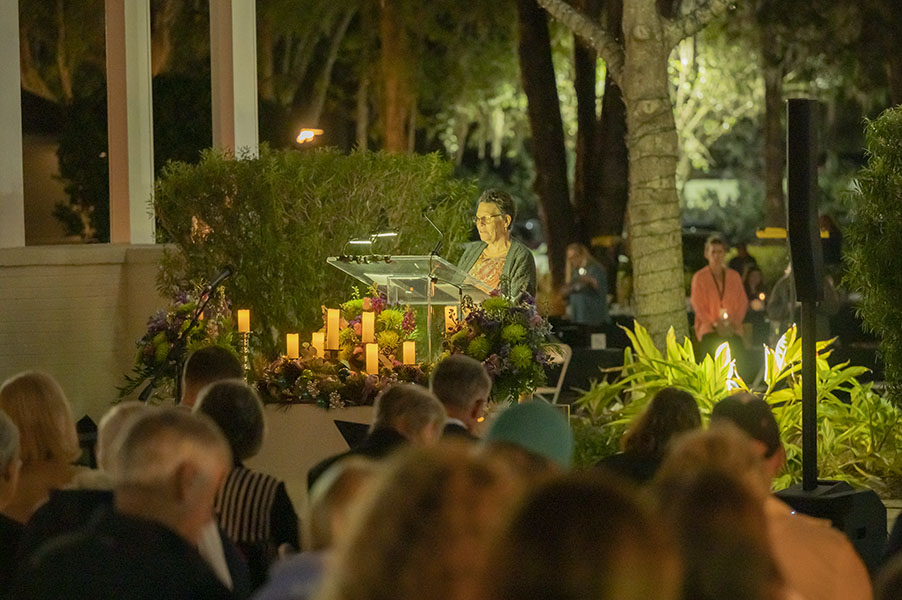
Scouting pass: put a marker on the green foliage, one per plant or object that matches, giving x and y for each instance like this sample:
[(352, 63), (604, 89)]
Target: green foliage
[(874, 237), (858, 440), (278, 217)]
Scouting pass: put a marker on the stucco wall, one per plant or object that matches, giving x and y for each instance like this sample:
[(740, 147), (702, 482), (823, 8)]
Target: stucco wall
[(75, 311)]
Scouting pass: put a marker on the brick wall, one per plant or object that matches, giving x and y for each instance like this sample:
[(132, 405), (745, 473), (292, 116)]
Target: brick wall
[(75, 311)]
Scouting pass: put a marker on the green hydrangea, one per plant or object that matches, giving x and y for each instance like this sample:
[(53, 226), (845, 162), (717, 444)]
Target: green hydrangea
[(388, 340), (495, 304), (479, 348), (460, 336), (521, 356), (391, 318), (347, 336), (352, 308), (513, 333)]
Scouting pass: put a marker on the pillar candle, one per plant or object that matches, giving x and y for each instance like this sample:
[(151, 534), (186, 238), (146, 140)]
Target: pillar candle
[(372, 358), (319, 343), (332, 329), (292, 345), (244, 320), (410, 352), (450, 317), (368, 327)]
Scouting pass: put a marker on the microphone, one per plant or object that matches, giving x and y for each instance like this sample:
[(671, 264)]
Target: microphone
[(441, 236), (227, 271)]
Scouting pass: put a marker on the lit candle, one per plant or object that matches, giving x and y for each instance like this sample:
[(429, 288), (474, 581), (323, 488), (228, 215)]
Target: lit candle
[(372, 358), (450, 317), (410, 352), (332, 329), (319, 343), (292, 345), (368, 326), (244, 320), (761, 296)]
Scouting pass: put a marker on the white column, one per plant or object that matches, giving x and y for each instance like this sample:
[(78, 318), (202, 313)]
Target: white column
[(233, 67), (130, 121), (12, 192)]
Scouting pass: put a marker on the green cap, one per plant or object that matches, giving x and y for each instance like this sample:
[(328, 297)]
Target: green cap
[(537, 427)]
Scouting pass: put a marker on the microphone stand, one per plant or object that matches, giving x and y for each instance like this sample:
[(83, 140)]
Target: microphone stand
[(177, 351)]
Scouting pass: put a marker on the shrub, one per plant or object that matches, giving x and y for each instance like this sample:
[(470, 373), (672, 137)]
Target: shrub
[(874, 237), (276, 219)]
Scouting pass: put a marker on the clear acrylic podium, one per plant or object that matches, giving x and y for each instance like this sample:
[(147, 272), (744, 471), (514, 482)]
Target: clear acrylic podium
[(429, 283)]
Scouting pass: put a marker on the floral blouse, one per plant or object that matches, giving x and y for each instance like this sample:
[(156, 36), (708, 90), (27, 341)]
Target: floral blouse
[(489, 270)]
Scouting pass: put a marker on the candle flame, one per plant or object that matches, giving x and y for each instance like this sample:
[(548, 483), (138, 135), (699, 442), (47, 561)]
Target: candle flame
[(307, 135)]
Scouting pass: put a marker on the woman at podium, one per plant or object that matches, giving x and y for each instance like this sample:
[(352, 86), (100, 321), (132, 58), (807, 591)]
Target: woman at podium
[(497, 259)]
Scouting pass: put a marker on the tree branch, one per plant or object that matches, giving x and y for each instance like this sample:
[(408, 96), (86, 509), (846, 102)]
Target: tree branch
[(593, 33), (695, 20)]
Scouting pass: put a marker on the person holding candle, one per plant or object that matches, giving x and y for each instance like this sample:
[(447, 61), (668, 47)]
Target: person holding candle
[(497, 259), (718, 299)]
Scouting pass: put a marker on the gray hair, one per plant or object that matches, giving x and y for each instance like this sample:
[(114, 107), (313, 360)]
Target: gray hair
[(407, 403), (458, 380), (9, 441), (112, 424), (157, 443)]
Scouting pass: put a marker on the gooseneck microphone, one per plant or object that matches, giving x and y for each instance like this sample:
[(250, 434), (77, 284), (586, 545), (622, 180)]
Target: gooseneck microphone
[(441, 236)]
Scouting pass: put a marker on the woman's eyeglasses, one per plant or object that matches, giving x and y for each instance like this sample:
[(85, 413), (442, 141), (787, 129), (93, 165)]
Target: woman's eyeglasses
[(485, 220)]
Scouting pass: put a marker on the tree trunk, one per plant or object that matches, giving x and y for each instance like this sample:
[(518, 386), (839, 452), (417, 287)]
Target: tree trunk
[(62, 55), (586, 175), (894, 77), (161, 36), (774, 146), (325, 77), (395, 77), (31, 79), (266, 60), (613, 162), (654, 211), (543, 107), (363, 112)]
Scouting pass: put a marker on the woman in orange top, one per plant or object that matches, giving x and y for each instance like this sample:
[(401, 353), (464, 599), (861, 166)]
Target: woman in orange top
[(718, 296)]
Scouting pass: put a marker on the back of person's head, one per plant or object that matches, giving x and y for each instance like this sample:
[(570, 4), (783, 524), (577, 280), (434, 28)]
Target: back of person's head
[(579, 536), (536, 427), (460, 382), (409, 409), (9, 458), (156, 444), (888, 583), (205, 366), (235, 407), (424, 528), (724, 448), (753, 415), (720, 526), (669, 413), (332, 497), (37, 405), (113, 422)]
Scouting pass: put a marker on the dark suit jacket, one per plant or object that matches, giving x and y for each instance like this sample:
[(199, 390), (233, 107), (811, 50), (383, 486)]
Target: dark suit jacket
[(456, 430), (376, 444)]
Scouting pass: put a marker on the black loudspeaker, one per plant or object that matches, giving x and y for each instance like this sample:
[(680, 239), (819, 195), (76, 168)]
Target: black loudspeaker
[(860, 514), (801, 178)]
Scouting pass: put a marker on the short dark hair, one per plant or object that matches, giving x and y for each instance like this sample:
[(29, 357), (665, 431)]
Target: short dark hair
[(211, 363), (501, 199), (753, 416), (235, 407), (458, 379)]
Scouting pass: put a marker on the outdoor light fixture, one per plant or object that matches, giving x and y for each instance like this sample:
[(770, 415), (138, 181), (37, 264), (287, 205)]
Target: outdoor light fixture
[(307, 135)]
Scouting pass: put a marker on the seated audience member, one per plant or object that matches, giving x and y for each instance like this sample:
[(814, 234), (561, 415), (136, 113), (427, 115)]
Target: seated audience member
[(67, 510), (424, 528), (586, 288), (332, 499), (669, 413), (48, 441), (253, 508), (578, 536), (533, 436), (463, 386), (816, 560), (719, 521), (404, 413), (170, 466), (205, 366), (10, 530)]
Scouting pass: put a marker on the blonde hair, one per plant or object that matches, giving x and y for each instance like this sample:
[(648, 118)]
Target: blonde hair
[(37, 405)]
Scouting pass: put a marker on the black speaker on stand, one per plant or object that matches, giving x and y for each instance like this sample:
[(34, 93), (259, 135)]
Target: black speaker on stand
[(860, 514)]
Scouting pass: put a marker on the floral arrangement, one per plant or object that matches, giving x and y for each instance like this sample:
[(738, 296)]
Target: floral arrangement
[(341, 381), (393, 326), (163, 330), (310, 379), (510, 339)]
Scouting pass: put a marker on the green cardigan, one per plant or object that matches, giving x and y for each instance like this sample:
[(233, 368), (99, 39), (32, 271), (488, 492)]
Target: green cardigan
[(518, 274)]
